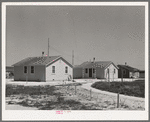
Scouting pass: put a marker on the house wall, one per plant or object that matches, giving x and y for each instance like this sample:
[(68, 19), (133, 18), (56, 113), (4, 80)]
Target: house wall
[(99, 73), (77, 72), (59, 71), (142, 75), (86, 75), (38, 75), (125, 75), (111, 74), (134, 75)]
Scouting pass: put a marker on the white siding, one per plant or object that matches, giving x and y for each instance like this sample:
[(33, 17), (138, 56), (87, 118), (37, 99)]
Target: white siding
[(112, 75), (77, 72), (59, 71)]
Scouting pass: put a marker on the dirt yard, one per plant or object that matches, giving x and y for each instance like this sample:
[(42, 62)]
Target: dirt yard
[(63, 97)]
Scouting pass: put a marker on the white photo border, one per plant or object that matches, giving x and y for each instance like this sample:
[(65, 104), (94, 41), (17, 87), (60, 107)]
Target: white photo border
[(74, 114)]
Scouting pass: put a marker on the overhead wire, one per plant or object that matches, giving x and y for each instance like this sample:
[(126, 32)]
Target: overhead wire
[(65, 54)]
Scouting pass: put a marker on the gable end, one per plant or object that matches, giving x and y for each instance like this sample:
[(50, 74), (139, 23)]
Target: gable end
[(57, 60)]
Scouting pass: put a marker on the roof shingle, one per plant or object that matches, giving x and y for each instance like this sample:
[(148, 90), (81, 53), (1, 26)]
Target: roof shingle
[(128, 68), (44, 60), (102, 64)]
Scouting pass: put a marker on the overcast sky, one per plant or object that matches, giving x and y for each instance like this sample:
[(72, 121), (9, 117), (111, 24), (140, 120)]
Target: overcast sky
[(107, 33)]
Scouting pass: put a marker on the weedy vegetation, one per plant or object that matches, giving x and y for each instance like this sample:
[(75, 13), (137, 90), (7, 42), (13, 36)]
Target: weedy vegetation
[(135, 88)]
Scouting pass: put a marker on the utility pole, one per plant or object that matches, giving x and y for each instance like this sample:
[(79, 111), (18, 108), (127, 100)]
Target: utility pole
[(48, 46), (121, 75), (72, 57)]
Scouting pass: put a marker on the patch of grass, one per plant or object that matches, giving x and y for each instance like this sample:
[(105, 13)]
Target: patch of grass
[(31, 97), (29, 90), (135, 88)]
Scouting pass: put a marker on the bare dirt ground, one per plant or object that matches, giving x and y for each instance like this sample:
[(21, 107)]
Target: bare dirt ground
[(63, 97)]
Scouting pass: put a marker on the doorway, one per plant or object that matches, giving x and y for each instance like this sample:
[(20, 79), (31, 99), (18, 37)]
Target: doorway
[(90, 72)]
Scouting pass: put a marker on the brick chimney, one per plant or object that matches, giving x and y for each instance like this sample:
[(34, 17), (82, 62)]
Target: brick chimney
[(42, 54), (94, 60)]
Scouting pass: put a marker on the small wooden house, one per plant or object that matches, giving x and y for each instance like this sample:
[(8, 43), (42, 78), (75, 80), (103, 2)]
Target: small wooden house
[(96, 69), (45, 68), (126, 71)]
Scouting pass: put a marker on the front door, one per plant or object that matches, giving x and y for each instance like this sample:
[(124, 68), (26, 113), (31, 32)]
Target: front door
[(90, 72)]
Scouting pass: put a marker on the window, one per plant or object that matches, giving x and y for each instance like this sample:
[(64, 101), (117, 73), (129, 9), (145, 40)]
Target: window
[(86, 70), (66, 69), (108, 71), (93, 70), (25, 69), (114, 71), (53, 69), (124, 72), (32, 69)]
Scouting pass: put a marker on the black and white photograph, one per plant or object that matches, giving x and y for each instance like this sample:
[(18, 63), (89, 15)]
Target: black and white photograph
[(75, 60)]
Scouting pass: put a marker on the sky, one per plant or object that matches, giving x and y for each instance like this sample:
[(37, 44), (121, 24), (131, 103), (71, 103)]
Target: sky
[(108, 33)]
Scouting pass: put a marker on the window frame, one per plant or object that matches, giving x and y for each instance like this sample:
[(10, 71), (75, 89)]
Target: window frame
[(24, 70), (93, 70), (53, 69), (86, 70), (114, 71), (66, 69), (124, 72), (108, 70), (33, 69)]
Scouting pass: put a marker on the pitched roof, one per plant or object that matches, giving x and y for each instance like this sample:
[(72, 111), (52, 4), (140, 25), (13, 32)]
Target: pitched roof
[(128, 68), (102, 64), (142, 71), (43, 60)]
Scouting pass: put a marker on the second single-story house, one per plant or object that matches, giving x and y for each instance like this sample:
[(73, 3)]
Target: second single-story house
[(44, 68), (126, 71), (96, 69)]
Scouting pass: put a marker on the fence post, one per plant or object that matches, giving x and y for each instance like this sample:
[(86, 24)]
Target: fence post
[(75, 89), (26, 79), (118, 100), (90, 93), (40, 90)]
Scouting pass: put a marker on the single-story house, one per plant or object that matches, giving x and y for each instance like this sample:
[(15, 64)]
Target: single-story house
[(44, 68), (126, 71), (141, 74), (96, 69), (9, 71)]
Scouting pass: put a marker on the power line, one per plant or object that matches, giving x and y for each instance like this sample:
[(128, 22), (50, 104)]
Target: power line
[(72, 57), (63, 53), (48, 46), (60, 52)]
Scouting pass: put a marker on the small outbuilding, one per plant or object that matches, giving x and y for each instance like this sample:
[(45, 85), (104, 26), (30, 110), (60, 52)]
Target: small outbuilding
[(141, 74), (126, 71), (44, 68), (96, 69)]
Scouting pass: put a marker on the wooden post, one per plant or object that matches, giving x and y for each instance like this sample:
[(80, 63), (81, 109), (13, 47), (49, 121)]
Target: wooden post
[(121, 75), (75, 89), (40, 90), (90, 94), (26, 79), (118, 100)]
